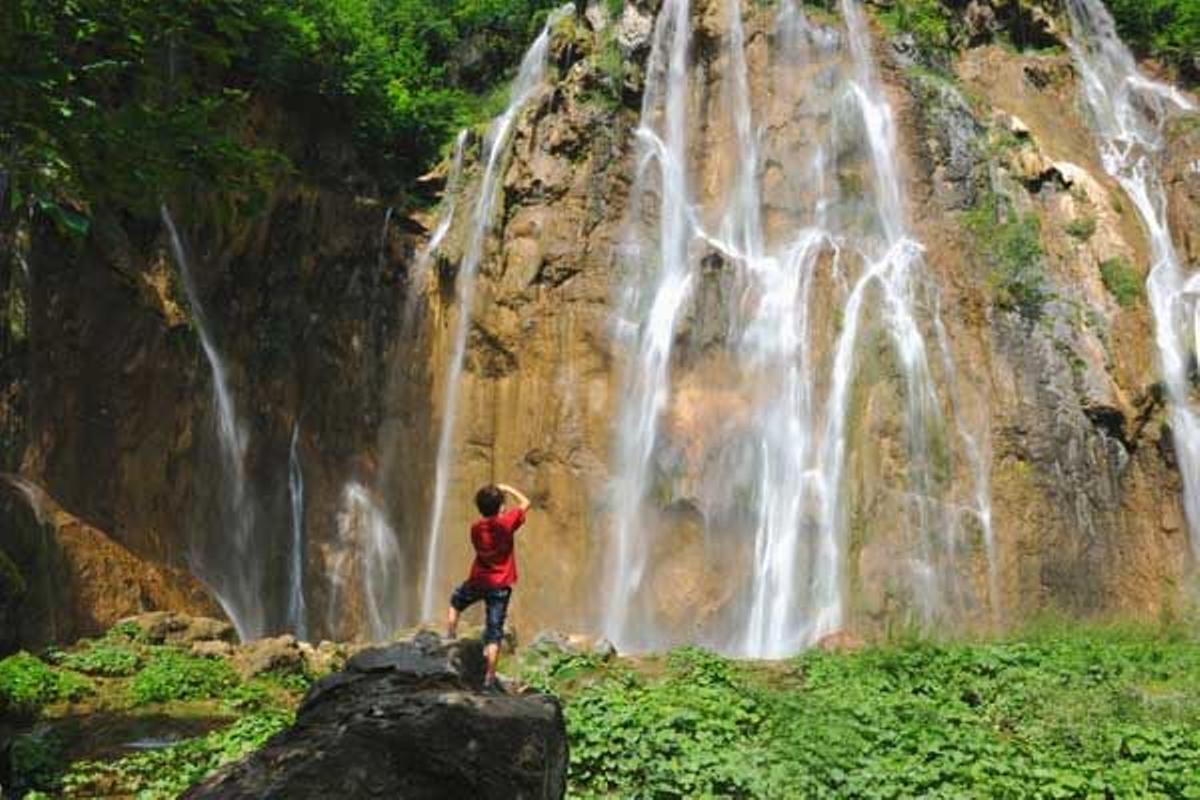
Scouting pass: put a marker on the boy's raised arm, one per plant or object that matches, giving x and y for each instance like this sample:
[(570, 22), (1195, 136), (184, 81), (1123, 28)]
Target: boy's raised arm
[(522, 500)]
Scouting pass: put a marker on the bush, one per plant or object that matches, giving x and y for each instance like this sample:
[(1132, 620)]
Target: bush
[(1121, 280), (174, 675)]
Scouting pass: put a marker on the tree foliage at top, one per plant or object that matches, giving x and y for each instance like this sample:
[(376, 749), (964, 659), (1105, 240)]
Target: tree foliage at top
[(1166, 29), (120, 102)]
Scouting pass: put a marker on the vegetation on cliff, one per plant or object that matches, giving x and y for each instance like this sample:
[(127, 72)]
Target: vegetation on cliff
[(121, 103), (1165, 29)]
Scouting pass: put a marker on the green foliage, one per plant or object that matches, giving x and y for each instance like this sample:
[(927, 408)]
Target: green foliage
[(1065, 713), (1166, 29), (1011, 243), (1121, 280), (1082, 229), (28, 683), (929, 22), (36, 762), (174, 675), (126, 632), (121, 103), (169, 772), (102, 658)]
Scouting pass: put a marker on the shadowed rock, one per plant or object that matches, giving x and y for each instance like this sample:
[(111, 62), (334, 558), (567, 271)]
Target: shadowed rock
[(408, 721)]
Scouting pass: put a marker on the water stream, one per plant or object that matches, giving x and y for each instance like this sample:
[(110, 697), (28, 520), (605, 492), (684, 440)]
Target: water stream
[(528, 81), (1129, 112), (228, 563), (297, 608)]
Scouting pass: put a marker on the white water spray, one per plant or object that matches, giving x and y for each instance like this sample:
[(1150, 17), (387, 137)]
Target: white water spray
[(238, 580), (1129, 112), (529, 79)]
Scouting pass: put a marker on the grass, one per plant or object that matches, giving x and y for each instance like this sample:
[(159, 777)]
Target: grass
[(1082, 229)]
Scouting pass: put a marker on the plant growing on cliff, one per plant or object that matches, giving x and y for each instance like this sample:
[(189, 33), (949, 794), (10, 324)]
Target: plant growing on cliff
[(1083, 228), (1011, 243), (1121, 280), (929, 22), (1166, 29)]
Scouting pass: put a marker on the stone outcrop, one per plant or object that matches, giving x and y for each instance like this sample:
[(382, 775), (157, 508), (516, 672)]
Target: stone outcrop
[(64, 579), (408, 721)]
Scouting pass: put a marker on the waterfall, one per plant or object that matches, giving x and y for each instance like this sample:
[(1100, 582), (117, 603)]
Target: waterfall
[(425, 256), (237, 581), (767, 471), (1128, 112), (366, 543), (529, 79), (297, 610)]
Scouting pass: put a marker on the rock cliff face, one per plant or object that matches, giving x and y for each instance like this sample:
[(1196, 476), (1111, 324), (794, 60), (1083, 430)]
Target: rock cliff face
[(106, 399)]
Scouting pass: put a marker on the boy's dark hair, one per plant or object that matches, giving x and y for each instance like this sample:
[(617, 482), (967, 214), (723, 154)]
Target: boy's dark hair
[(488, 500)]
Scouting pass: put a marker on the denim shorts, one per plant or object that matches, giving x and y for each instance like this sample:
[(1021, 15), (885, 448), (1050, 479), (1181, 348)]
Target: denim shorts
[(496, 601)]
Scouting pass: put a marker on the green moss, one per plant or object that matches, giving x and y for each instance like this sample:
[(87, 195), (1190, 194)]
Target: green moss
[(1121, 280), (928, 21)]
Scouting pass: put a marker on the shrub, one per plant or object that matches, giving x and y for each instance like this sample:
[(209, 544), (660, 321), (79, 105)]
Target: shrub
[(1121, 280), (1166, 29), (174, 675), (927, 20)]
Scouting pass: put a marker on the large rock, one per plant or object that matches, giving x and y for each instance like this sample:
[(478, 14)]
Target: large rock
[(408, 721)]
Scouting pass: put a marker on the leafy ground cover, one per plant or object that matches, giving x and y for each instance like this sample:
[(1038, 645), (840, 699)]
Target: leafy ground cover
[(118, 717), (1056, 712), (1060, 714)]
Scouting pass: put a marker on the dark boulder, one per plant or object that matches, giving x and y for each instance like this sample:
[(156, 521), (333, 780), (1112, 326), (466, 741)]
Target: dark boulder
[(408, 721)]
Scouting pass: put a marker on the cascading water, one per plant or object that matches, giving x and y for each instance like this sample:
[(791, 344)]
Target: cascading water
[(297, 608), (1129, 112), (529, 80), (770, 469), (420, 268), (237, 580)]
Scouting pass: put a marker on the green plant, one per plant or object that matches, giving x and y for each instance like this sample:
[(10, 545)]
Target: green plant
[(1011, 244), (174, 675), (1082, 229), (1121, 280), (169, 772), (928, 21), (102, 658), (27, 684), (1167, 29), (36, 761)]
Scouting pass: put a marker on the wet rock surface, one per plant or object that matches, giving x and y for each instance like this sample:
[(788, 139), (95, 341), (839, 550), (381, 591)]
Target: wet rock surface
[(408, 720)]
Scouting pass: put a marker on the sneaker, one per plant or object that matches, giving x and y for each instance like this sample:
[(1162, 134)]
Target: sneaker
[(494, 686)]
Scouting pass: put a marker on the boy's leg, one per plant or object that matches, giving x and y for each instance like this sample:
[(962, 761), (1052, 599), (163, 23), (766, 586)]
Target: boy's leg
[(462, 597), (493, 633)]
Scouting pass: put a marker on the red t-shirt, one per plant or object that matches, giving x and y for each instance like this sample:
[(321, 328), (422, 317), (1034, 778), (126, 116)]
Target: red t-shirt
[(495, 562)]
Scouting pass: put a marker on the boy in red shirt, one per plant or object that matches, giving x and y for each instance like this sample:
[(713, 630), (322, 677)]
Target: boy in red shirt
[(493, 572)]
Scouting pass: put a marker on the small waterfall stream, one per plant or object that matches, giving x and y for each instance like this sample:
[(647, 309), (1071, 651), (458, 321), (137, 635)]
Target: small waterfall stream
[(237, 580), (529, 79), (297, 608), (1129, 111)]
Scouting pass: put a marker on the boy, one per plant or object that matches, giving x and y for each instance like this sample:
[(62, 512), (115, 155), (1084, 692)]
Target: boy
[(494, 571)]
